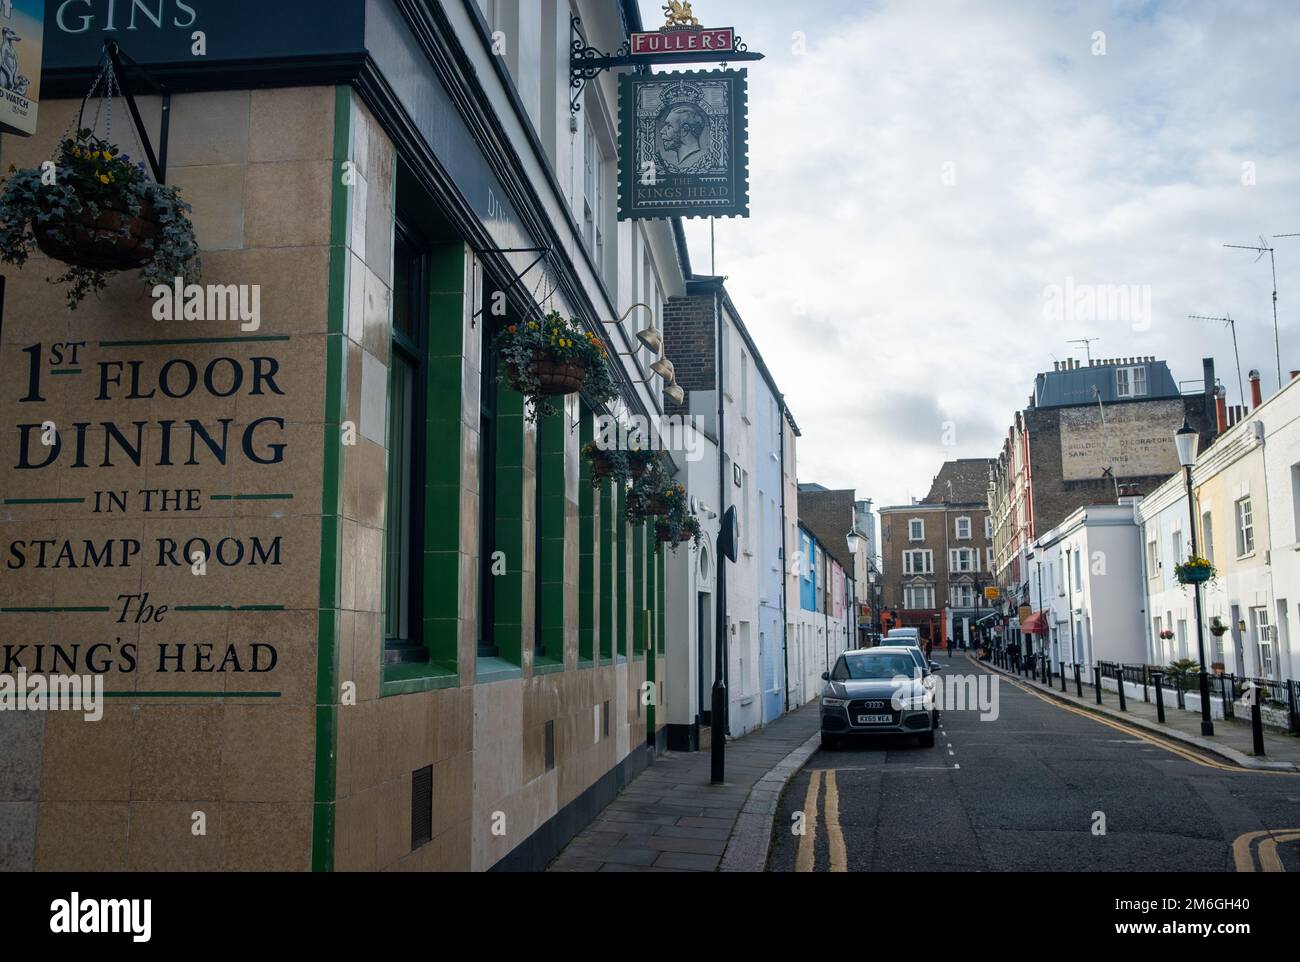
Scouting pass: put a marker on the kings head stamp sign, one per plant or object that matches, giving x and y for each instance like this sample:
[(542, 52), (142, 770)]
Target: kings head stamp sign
[(683, 145), (22, 24)]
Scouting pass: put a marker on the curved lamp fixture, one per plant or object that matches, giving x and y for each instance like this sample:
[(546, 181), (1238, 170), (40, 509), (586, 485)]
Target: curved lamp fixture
[(664, 368), (674, 393)]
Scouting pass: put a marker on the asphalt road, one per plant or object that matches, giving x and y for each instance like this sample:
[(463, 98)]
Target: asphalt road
[(1022, 793)]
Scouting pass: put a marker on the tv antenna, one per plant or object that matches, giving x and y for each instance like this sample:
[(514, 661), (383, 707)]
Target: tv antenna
[(1263, 249), (1087, 343), (1232, 326), (1105, 436)]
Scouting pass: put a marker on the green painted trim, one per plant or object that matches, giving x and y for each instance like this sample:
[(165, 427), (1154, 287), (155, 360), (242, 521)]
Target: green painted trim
[(411, 679), (620, 577), (191, 694), (46, 611), (638, 589), (547, 667), (607, 498), (251, 497), (177, 341), (489, 670), (587, 535), (327, 633), (553, 434), (663, 603), (18, 501), (511, 491)]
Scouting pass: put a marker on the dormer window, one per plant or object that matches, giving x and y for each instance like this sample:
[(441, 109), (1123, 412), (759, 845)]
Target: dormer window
[(1131, 382)]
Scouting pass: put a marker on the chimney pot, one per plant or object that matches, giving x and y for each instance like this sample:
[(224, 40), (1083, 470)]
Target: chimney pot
[(1256, 392)]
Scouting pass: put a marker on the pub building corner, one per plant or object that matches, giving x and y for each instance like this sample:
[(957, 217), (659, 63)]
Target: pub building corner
[(275, 545)]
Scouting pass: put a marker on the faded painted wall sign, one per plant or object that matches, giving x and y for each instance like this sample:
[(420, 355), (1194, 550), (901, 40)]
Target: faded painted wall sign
[(1136, 440)]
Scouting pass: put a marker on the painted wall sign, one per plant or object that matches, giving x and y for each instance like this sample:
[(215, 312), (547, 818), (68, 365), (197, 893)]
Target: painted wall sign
[(22, 24), (1136, 440), (683, 145), (148, 492), (721, 40)]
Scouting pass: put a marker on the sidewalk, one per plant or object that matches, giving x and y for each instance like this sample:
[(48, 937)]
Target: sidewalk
[(1232, 740), (671, 819)]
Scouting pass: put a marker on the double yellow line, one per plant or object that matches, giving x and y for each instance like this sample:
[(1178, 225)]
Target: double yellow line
[(804, 860), (1146, 736), (1265, 851)]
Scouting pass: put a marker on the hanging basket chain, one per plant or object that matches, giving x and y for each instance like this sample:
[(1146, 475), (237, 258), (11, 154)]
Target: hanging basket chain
[(107, 79)]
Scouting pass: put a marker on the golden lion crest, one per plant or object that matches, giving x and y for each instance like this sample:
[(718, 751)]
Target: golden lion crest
[(679, 14)]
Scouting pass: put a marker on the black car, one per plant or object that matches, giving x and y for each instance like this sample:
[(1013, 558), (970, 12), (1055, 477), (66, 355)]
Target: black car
[(879, 691)]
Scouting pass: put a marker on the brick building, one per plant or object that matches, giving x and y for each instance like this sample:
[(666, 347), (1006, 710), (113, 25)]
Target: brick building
[(1089, 431), (937, 555)]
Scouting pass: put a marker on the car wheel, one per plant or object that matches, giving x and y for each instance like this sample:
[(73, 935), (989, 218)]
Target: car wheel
[(926, 740), (830, 741)]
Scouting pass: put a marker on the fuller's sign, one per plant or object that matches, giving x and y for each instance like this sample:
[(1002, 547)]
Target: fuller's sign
[(21, 38), (683, 142), (721, 40)]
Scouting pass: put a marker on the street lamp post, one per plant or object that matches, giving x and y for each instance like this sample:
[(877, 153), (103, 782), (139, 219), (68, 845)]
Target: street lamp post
[(852, 540), (1185, 441)]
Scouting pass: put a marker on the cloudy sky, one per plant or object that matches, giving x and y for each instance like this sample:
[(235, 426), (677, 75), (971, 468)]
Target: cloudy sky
[(926, 174)]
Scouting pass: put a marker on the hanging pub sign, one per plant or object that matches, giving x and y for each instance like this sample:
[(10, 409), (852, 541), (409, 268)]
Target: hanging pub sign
[(22, 26), (683, 145)]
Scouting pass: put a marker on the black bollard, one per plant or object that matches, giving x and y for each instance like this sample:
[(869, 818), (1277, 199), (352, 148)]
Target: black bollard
[(1157, 679), (1062, 667), (1078, 683), (1123, 704), (1257, 724), (1096, 674)]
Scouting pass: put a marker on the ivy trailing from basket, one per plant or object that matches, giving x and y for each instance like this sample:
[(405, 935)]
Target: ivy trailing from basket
[(677, 527), (95, 211), (655, 495), (553, 356), (619, 464)]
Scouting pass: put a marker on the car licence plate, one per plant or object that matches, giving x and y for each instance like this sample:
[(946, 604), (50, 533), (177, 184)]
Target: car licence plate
[(875, 719)]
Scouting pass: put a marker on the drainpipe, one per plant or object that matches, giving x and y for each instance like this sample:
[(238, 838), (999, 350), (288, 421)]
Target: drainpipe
[(785, 620)]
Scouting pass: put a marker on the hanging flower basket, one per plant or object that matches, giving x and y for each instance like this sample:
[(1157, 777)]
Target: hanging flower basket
[(686, 529), (112, 239), (617, 463), (1194, 571), (553, 376), (655, 495), (551, 357), (1217, 627), (98, 213)]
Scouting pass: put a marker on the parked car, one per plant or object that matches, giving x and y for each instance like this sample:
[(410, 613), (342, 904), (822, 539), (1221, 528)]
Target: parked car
[(903, 636), (877, 691)]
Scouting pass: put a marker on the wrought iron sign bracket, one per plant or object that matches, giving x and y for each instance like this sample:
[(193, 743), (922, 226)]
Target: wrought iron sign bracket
[(586, 62), (543, 253), (157, 162)]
